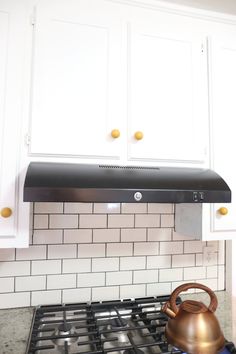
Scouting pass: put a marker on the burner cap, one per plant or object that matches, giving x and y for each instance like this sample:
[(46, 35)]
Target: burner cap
[(64, 327), (133, 351), (116, 323)]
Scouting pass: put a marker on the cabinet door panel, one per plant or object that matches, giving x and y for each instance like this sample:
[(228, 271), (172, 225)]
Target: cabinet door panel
[(224, 113), (167, 87), (14, 230), (76, 78)]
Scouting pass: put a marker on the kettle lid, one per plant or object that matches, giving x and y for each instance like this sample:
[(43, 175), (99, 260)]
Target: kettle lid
[(193, 306)]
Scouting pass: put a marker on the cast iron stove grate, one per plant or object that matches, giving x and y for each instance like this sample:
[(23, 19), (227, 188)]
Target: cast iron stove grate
[(119, 327)]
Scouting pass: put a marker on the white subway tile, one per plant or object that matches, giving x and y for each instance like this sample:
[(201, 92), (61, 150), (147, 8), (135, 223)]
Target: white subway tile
[(158, 234), (146, 248), (104, 264), (91, 280), (160, 208), (42, 237), (133, 208), (105, 293), (221, 277), (212, 272), (106, 208), (146, 276), (40, 221), (61, 251), (131, 263), (6, 285), (132, 291), (78, 208), (92, 221), (132, 235), (76, 265), (33, 252), (14, 268), (167, 220), (31, 283), (76, 295), (7, 254), (179, 237), (120, 221), (166, 275), (119, 249), (63, 221), (47, 297), (214, 245), (221, 252), (13, 300), (213, 261), (211, 283), (157, 289), (193, 246), (193, 273), (61, 281), (78, 236), (106, 235), (118, 278), (156, 262), (175, 284), (48, 208), (147, 220), (183, 260), (91, 250), (199, 259), (46, 267), (173, 247)]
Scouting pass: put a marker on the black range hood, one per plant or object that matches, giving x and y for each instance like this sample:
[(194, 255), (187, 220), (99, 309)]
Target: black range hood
[(67, 182)]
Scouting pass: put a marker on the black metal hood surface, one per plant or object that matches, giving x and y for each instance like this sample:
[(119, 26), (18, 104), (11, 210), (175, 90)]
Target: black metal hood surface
[(64, 182)]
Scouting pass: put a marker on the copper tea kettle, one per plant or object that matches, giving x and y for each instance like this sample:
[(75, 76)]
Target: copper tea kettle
[(192, 326)]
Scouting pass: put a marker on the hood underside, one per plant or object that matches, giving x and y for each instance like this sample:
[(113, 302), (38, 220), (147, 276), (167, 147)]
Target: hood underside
[(64, 182)]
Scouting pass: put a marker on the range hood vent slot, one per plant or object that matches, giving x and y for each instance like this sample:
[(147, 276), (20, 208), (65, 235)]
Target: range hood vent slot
[(68, 182)]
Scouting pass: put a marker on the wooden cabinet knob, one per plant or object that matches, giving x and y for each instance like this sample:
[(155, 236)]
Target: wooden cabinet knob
[(223, 211), (138, 135), (6, 212), (115, 133)]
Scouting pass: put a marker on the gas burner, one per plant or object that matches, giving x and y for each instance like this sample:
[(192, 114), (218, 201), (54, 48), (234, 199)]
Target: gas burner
[(133, 351), (65, 332), (117, 328), (116, 323)]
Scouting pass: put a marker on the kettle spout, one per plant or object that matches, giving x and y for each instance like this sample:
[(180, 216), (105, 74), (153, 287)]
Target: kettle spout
[(166, 309)]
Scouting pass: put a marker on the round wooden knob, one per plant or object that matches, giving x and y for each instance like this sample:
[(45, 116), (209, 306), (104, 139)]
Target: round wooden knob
[(223, 211), (115, 133), (6, 212), (138, 135)]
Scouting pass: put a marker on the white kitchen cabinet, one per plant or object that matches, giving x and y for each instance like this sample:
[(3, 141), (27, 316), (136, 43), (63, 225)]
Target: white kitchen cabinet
[(167, 90), (77, 80), (117, 67), (209, 221), (14, 215)]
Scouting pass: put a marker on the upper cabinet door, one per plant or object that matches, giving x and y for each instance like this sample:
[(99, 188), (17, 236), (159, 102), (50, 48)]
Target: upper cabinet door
[(14, 215), (223, 126), (167, 91), (77, 77)]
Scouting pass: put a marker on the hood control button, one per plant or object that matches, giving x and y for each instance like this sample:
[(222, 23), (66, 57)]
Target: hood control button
[(138, 196)]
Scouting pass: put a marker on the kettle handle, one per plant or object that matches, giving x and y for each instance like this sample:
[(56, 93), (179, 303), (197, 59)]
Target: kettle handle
[(213, 304)]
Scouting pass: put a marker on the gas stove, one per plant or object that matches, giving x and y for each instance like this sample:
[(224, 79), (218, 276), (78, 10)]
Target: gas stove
[(120, 327)]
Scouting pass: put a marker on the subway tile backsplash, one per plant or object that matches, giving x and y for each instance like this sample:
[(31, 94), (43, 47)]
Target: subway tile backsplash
[(103, 251)]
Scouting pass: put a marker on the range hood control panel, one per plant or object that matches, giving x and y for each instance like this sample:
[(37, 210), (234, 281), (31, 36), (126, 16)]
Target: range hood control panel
[(198, 196)]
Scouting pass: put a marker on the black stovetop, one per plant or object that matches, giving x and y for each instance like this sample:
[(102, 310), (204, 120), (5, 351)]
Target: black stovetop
[(121, 327)]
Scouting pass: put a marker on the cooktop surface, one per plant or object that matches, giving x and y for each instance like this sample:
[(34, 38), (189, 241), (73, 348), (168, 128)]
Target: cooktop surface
[(122, 327)]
